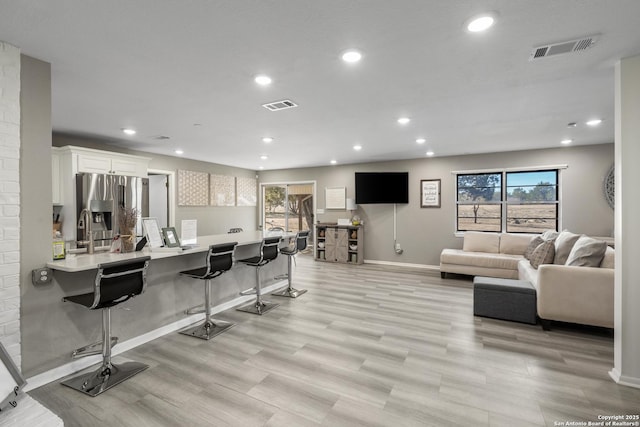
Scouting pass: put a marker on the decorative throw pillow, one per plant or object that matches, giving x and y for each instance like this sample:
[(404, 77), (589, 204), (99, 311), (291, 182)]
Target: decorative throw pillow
[(564, 244), (533, 244), (543, 254), (549, 235), (587, 252)]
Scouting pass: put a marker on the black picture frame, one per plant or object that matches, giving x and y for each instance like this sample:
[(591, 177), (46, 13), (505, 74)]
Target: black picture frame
[(430, 193), (171, 239)]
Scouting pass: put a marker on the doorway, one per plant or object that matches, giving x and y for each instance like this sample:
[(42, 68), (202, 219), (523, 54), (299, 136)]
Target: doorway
[(161, 197), (288, 206)]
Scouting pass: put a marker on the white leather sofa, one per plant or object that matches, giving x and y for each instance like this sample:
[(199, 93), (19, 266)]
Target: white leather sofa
[(564, 293)]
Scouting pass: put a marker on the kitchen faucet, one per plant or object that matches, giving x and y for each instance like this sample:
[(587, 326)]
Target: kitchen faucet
[(84, 222)]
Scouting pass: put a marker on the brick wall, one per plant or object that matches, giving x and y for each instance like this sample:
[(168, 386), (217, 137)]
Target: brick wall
[(10, 200)]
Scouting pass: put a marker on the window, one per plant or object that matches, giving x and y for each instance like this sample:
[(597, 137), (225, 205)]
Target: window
[(532, 201), (511, 201), (479, 202)]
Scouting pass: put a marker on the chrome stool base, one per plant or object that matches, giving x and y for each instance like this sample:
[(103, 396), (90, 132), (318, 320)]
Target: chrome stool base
[(207, 330), (289, 293), (96, 382), (258, 307)]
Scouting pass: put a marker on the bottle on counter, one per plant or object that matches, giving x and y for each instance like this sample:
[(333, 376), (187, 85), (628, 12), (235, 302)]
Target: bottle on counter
[(58, 246)]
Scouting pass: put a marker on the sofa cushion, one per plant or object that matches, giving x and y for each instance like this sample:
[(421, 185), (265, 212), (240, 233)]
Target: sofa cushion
[(480, 259), (587, 252), (533, 244), (543, 254), (608, 260), (514, 244), (481, 242), (564, 243)]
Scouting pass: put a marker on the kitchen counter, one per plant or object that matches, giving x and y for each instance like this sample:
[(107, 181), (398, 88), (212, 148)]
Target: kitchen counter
[(57, 327), (82, 262)]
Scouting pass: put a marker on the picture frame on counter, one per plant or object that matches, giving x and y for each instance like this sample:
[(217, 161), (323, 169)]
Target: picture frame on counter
[(170, 237), (152, 232), (430, 193)]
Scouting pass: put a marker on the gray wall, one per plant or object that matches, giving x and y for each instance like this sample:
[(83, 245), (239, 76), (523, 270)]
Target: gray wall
[(423, 233), (211, 219)]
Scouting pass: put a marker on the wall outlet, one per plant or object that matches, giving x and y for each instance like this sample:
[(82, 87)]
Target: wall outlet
[(398, 247), (41, 276)]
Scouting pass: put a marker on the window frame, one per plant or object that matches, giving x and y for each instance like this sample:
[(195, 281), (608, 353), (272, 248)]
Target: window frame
[(503, 202)]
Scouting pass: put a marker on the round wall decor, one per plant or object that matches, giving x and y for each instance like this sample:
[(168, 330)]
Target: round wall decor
[(609, 187)]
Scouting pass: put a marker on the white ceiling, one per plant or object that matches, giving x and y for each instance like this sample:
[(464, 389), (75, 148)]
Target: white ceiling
[(162, 66)]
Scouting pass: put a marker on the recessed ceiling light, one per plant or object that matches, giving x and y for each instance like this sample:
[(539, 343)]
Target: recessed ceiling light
[(430, 153), (572, 125), (261, 167), (351, 56), (264, 157), (480, 23), (129, 131), (267, 139), (263, 80), (566, 141), (179, 151), (594, 122), (333, 162), (421, 140), (357, 147), (404, 120)]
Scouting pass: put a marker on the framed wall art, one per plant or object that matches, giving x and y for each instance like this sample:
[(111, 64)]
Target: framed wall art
[(430, 193)]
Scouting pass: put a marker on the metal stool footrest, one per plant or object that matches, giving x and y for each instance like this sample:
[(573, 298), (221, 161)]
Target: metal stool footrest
[(250, 291), (87, 349), (196, 310)]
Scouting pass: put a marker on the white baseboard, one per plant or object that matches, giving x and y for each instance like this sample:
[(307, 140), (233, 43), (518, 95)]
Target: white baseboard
[(80, 364), (623, 379), (404, 264)]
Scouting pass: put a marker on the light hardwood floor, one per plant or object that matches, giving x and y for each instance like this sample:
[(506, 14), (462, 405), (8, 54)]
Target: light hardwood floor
[(366, 346)]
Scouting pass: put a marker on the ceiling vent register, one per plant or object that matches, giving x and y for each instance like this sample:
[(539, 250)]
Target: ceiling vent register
[(280, 105), (563, 47)]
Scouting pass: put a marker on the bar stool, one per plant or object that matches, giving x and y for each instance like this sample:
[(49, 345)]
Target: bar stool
[(300, 245), (268, 252), (219, 260), (115, 283)]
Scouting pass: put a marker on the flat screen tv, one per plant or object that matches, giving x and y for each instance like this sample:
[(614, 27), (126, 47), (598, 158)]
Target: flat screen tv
[(382, 187)]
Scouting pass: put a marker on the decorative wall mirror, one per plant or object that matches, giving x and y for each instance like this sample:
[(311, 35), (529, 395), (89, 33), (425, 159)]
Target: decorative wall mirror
[(609, 187)]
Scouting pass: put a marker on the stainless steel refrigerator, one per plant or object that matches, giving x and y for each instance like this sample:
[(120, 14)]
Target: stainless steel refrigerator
[(104, 195)]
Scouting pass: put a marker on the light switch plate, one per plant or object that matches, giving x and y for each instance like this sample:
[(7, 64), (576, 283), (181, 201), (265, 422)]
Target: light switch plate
[(41, 276)]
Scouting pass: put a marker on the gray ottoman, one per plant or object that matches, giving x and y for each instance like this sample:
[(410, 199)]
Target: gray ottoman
[(505, 299)]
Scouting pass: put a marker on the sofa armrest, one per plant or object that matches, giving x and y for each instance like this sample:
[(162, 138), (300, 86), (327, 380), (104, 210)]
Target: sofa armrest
[(576, 294)]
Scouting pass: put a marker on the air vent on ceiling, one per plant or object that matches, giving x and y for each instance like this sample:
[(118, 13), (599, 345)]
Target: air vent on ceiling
[(563, 47), (280, 105), (160, 137)]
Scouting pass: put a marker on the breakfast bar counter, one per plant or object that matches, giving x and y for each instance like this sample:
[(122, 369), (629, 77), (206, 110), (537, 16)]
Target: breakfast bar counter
[(58, 327), (82, 261)]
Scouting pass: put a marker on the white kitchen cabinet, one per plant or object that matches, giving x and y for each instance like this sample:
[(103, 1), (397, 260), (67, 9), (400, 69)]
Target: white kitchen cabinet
[(87, 160), (114, 164)]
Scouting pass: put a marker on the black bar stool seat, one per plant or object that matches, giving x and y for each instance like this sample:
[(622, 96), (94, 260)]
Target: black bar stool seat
[(300, 245), (219, 260), (115, 283), (268, 253)]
